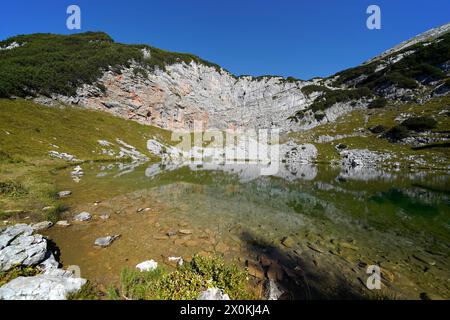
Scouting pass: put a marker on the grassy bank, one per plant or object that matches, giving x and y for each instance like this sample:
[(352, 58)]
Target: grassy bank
[(29, 131)]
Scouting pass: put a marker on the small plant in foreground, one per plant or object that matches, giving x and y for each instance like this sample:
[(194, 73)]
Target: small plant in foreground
[(17, 271), (185, 283)]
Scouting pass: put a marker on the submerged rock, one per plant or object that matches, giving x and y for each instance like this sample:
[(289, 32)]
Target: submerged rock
[(106, 241), (272, 292), (83, 216), (213, 294), (64, 194), (47, 286), (63, 223), (148, 265), (104, 216)]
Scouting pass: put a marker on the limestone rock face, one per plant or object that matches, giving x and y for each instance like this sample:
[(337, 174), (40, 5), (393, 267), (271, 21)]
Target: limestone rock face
[(184, 93)]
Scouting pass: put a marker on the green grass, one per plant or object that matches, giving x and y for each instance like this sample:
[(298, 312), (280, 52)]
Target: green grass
[(88, 292), (185, 283), (15, 272), (28, 130)]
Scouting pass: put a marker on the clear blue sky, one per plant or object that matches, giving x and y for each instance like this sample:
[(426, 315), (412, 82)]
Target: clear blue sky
[(297, 38)]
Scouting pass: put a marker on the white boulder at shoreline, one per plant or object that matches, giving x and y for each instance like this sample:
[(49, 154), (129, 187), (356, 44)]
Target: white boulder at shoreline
[(20, 247)]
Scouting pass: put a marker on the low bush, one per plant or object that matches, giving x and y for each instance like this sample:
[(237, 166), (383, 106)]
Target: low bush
[(12, 189), (419, 123), (377, 129), (397, 133), (187, 282), (377, 103)]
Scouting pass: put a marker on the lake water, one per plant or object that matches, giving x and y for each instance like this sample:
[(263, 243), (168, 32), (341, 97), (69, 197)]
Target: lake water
[(315, 232)]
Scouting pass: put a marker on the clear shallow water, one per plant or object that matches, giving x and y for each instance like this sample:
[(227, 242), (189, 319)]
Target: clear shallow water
[(336, 222)]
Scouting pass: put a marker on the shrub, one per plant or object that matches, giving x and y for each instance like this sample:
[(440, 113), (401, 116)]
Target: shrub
[(397, 133), (88, 292), (12, 189), (447, 83), (377, 129), (420, 123), (307, 90), (377, 103)]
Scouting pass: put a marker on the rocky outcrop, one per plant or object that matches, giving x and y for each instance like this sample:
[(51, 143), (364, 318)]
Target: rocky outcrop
[(56, 284), (20, 247)]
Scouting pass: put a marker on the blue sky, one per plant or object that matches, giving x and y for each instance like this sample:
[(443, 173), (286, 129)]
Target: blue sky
[(286, 37)]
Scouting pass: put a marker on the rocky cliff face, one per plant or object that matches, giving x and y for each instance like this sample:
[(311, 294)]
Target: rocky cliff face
[(184, 94)]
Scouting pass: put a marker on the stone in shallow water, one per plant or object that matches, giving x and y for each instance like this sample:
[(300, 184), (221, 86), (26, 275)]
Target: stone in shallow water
[(63, 223), (185, 231), (272, 291), (288, 242), (213, 294), (47, 286), (83, 216), (42, 225), (106, 241), (63, 194), (148, 265), (104, 216)]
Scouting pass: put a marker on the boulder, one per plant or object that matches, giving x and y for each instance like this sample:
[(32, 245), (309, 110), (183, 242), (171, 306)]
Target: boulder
[(25, 250), (213, 294), (54, 285), (10, 233)]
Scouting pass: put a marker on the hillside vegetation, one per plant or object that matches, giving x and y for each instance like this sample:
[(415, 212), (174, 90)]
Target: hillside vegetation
[(49, 64)]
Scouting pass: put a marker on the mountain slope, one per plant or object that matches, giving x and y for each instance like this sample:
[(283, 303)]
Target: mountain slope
[(172, 90)]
